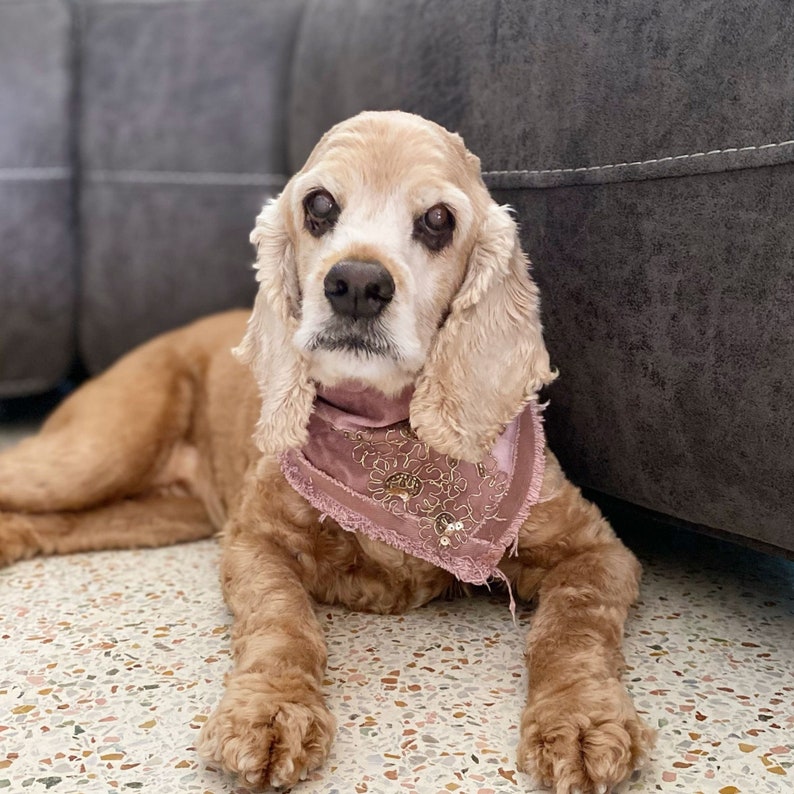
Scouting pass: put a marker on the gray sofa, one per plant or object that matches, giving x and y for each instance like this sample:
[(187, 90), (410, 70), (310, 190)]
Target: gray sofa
[(645, 144)]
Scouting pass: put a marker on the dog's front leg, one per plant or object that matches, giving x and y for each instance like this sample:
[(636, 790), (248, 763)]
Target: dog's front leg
[(272, 726), (579, 729)]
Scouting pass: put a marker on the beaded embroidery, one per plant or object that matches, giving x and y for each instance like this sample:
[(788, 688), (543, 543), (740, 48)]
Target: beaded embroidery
[(365, 467), (407, 477)]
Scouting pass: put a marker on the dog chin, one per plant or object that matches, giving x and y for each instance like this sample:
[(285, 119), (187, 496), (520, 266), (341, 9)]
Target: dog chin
[(385, 373)]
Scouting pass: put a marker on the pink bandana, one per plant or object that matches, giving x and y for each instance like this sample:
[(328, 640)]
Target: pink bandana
[(364, 467)]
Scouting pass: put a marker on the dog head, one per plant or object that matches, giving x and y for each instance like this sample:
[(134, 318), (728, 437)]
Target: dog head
[(386, 261)]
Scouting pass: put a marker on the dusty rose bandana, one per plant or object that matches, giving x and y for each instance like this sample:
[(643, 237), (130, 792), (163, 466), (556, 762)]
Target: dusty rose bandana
[(364, 467)]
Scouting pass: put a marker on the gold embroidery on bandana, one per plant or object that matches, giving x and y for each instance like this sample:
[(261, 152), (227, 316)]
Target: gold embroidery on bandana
[(451, 498)]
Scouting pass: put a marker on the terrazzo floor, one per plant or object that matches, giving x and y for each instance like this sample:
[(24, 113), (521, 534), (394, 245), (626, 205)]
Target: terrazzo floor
[(110, 662)]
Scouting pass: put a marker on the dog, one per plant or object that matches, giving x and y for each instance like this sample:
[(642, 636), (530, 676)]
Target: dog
[(394, 300)]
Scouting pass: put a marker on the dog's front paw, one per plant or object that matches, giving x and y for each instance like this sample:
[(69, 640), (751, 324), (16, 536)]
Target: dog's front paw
[(582, 740), (268, 737)]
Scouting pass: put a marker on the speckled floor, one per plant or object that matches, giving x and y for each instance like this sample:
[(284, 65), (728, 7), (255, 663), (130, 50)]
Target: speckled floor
[(110, 662)]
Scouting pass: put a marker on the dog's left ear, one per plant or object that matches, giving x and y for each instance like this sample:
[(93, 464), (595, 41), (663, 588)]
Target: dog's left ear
[(268, 347), (489, 358)]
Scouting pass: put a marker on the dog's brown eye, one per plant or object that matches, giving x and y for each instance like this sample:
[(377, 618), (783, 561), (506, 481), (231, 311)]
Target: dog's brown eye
[(437, 218), (321, 210), (434, 228)]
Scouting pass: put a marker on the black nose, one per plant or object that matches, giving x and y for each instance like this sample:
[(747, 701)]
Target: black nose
[(358, 289)]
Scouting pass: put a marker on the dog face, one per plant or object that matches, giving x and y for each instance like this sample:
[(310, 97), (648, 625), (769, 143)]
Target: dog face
[(386, 261), (382, 220)]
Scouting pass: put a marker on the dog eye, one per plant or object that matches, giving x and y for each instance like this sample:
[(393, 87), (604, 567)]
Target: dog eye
[(438, 218), (321, 210), (434, 228)]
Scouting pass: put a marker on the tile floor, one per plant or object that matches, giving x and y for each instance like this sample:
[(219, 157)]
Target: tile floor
[(110, 662)]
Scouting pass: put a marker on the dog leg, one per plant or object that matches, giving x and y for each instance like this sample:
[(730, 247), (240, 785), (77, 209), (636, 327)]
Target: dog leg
[(105, 441), (579, 729), (145, 521), (272, 726)]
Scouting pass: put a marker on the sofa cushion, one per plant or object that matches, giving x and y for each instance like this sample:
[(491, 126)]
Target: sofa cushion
[(37, 258), (648, 150), (183, 139), (540, 86)]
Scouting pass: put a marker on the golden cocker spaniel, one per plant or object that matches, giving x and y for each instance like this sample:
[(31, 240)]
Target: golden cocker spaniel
[(395, 306)]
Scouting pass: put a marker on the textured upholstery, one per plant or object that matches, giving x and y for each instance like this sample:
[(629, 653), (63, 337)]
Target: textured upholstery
[(665, 261), (37, 262), (533, 84), (669, 317), (182, 140)]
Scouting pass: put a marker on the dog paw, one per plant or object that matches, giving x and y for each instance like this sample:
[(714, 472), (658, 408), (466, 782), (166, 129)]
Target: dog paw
[(584, 740), (267, 738), (17, 540)]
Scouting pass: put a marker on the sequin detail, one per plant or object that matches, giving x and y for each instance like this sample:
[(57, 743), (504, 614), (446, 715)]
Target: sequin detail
[(448, 497)]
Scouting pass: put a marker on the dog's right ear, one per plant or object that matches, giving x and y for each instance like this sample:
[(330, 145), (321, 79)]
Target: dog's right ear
[(268, 347)]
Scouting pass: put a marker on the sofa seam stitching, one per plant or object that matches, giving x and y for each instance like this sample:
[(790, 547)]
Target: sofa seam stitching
[(652, 161)]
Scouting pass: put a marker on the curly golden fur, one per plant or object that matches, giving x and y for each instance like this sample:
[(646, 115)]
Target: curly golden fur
[(159, 449)]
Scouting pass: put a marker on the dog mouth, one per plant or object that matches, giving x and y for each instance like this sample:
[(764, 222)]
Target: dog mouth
[(362, 338)]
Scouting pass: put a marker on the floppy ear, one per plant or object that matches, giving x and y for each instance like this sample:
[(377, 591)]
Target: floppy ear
[(488, 359), (280, 368)]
